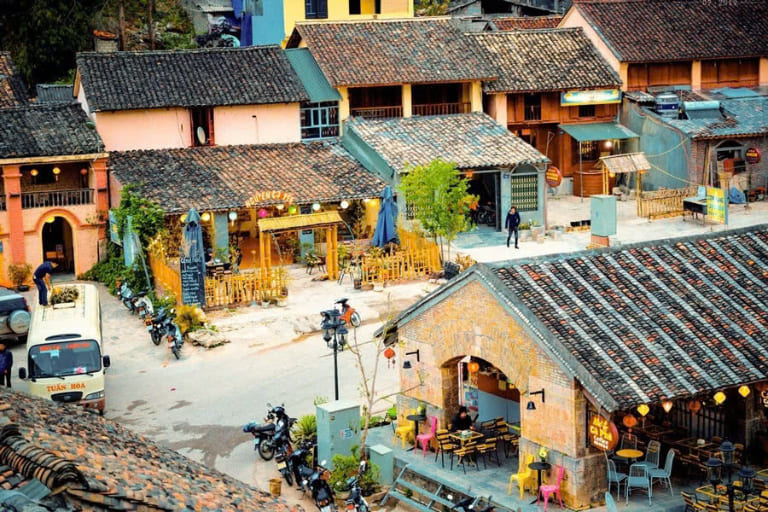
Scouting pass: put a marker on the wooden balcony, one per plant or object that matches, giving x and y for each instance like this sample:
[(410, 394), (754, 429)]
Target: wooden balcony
[(440, 109), (49, 198), (377, 112)]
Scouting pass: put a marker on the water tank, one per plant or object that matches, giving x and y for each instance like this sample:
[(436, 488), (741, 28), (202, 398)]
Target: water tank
[(667, 105)]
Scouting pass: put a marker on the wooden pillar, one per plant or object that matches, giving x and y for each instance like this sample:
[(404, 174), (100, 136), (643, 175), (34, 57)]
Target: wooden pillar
[(268, 254), (12, 182), (262, 269), (335, 252)]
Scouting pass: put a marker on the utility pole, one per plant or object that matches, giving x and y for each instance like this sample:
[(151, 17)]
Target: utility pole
[(150, 24), (121, 22)]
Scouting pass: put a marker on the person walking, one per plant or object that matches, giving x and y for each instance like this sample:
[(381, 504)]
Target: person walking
[(42, 279), (6, 364), (512, 223)]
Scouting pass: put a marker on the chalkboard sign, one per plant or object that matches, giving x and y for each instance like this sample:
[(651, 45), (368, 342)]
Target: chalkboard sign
[(192, 281)]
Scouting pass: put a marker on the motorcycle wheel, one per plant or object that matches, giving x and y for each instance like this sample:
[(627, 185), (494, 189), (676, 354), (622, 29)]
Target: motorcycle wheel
[(156, 336), (176, 352), (287, 475), (355, 319), (266, 450), (127, 304)]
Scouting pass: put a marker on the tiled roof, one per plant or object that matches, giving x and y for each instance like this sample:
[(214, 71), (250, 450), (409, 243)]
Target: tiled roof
[(744, 117), (673, 30), (54, 93), (527, 22), (12, 91), (471, 141), (190, 78), (388, 52), (545, 60), (224, 177), (96, 464), (669, 319), (47, 130)]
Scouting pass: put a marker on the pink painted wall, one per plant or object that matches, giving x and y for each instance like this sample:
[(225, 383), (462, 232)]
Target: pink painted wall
[(159, 128), (257, 124), (574, 18)]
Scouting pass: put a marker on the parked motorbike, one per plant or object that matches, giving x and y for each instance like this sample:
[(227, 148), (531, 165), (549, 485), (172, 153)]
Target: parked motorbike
[(299, 465), (356, 501), (262, 435), (283, 448), (321, 490), (144, 307), (125, 294), (156, 324), (486, 214), (173, 335), (280, 441), (348, 313)]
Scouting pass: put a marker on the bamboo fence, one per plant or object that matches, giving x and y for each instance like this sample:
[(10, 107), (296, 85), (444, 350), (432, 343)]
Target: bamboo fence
[(663, 202), (165, 274), (416, 258)]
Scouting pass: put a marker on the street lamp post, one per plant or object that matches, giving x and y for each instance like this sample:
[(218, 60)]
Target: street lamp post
[(746, 473), (335, 336)]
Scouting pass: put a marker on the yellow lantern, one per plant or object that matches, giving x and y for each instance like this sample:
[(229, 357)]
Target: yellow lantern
[(50, 220), (744, 391), (719, 397), (205, 217), (666, 405), (56, 171), (33, 172), (643, 409), (611, 174), (473, 367)]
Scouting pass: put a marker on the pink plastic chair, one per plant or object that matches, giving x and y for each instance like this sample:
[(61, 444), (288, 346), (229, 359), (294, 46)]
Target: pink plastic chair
[(426, 438), (548, 489)]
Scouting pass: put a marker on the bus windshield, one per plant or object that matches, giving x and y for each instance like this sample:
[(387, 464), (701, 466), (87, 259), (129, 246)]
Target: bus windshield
[(64, 358)]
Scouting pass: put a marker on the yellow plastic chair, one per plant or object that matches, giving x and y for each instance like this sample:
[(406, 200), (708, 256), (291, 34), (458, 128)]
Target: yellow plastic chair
[(523, 476), (404, 430)]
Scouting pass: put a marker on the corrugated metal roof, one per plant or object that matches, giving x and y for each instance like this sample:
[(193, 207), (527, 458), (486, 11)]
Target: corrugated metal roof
[(299, 221), (598, 131), (311, 77)]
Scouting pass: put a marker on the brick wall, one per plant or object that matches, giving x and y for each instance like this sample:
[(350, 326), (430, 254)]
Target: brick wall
[(472, 321), (699, 149)]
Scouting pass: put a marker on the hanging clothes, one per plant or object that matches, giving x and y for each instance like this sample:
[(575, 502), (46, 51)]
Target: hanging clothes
[(246, 30), (237, 7)]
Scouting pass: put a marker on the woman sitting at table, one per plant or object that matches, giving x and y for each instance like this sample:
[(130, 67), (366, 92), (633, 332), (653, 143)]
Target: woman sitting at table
[(462, 421)]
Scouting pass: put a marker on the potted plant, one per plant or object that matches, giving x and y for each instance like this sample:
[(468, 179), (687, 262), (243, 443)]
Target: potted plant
[(18, 274)]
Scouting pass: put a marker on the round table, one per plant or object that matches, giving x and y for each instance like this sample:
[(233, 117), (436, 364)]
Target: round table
[(416, 419), (539, 467), (629, 454)]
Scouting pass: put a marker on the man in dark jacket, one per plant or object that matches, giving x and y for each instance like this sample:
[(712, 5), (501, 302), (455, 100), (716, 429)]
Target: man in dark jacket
[(512, 222), (6, 364), (42, 279)]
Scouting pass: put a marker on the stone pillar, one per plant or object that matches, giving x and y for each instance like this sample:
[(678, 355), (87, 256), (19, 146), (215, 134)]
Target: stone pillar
[(407, 100), (101, 194), (343, 107), (12, 181)]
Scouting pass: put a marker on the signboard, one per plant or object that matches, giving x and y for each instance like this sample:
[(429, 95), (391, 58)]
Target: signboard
[(192, 281), (603, 433), (717, 205), (752, 156), (269, 196), (553, 176), (114, 234), (345, 434), (594, 97), (129, 244)]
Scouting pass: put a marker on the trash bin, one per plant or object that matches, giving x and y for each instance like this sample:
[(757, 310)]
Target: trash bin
[(274, 486)]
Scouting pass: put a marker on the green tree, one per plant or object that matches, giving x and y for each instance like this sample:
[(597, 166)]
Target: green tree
[(147, 218), (439, 197)]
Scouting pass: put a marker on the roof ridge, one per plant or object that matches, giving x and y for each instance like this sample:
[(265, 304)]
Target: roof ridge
[(127, 53), (424, 19)]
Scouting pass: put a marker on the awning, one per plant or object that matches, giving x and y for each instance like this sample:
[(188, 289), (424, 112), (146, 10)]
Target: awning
[(598, 131), (311, 77), (293, 222), (630, 162)]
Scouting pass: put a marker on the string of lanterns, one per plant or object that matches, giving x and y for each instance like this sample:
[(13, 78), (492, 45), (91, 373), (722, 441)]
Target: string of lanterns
[(232, 215), (695, 405)]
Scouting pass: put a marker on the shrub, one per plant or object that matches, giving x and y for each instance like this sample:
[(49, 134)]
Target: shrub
[(168, 301), (392, 413), (345, 466), (18, 273), (305, 428), (107, 272), (189, 318)]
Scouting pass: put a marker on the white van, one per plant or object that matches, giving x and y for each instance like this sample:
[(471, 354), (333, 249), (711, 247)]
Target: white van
[(64, 351)]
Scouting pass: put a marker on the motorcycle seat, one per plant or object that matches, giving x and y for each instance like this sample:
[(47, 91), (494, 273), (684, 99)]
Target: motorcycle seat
[(264, 427)]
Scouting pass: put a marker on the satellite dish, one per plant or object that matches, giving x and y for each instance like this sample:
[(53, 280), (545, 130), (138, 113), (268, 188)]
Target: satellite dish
[(201, 138)]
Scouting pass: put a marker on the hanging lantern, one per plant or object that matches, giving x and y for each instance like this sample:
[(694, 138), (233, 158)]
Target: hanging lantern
[(232, 216), (666, 405), (56, 172), (744, 391), (316, 207), (344, 205), (33, 172), (292, 209), (50, 220), (611, 174), (205, 217), (629, 421), (389, 353), (694, 406), (183, 218), (262, 213), (719, 397), (643, 409), (280, 206), (473, 367), (83, 171)]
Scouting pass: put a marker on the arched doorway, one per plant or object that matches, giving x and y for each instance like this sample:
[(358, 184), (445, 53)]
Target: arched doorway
[(58, 243), (482, 387)]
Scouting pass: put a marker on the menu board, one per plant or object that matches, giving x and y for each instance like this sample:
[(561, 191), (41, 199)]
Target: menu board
[(192, 281)]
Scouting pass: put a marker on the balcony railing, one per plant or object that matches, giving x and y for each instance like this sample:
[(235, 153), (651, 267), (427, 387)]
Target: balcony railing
[(50, 198), (533, 112), (439, 109), (378, 112)]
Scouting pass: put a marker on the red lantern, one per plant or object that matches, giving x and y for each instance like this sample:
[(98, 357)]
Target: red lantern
[(629, 421), (389, 353), (694, 406), (473, 367)]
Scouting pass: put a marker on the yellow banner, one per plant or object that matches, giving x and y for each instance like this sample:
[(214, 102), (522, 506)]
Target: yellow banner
[(717, 205)]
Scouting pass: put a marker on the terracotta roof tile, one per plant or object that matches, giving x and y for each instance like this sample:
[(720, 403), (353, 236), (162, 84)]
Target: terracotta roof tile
[(224, 177), (12, 90), (471, 141), (545, 60), (188, 78), (673, 30), (527, 22), (390, 52)]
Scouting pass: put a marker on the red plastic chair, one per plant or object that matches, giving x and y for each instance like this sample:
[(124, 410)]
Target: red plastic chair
[(426, 438), (548, 489)]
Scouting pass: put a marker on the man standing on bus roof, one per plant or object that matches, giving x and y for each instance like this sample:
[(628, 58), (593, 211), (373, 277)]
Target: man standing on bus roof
[(42, 279), (6, 364)]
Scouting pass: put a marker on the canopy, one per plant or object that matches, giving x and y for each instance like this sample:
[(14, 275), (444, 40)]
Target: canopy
[(598, 131), (294, 222), (386, 230), (629, 162)]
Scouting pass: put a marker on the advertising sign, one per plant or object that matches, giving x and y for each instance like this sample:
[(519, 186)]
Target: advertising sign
[(114, 234), (717, 205), (553, 176), (603, 433), (594, 97), (192, 281), (752, 156)]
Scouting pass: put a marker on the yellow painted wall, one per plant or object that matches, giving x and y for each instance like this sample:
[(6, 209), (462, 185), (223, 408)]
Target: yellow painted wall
[(407, 100), (763, 71), (476, 96), (343, 106), (696, 74)]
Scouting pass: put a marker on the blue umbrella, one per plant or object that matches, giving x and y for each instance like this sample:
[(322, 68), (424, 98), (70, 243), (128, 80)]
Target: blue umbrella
[(386, 228), (193, 237), (193, 261)]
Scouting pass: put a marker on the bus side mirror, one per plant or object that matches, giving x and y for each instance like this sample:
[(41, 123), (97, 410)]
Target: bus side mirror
[(22, 373), (107, 361)]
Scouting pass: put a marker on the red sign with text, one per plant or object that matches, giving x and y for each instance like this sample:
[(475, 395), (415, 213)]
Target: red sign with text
[(553, 176), (603, 433), (752, 155)]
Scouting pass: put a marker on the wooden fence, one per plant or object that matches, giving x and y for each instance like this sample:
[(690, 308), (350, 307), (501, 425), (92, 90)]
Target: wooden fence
[(416, 258), (665, 202), (166, 274)]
